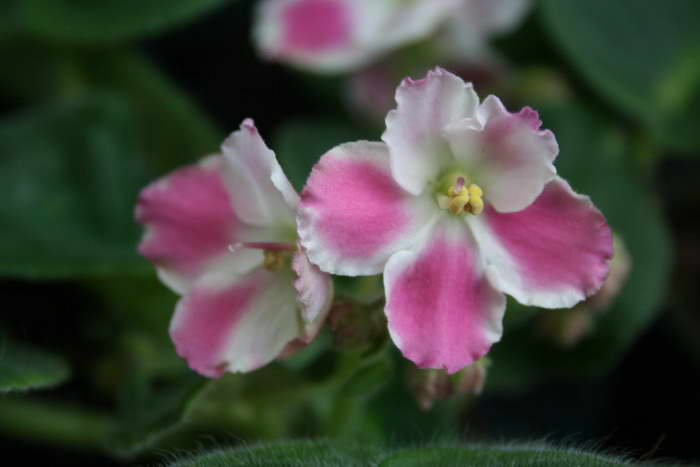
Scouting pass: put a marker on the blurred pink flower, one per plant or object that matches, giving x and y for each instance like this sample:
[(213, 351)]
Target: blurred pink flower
[(344, 35), (222, 234), (340, 35), (459, 205)]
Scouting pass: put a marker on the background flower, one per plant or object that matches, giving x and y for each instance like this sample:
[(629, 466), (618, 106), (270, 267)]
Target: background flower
[(222, 234)]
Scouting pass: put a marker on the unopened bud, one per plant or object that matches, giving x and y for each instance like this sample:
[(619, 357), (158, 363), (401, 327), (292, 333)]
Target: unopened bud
[(431, 385)]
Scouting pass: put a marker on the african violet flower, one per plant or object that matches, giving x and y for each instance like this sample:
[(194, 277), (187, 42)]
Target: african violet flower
[(222, 233), (336, 35), (340, 35), (460, 204)]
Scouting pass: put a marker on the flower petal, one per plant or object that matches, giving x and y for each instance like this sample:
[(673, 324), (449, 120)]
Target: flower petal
[(414, 130), (442, 311), (189, 222), (512, 158), (260, 192), (353, 215), (337, 35), (236, 323), (466, 34), (552, 254), (314, 292)]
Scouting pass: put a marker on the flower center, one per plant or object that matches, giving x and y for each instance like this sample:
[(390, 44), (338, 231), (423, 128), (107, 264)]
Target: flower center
[(275, 255), (274, 259), (460, 198)]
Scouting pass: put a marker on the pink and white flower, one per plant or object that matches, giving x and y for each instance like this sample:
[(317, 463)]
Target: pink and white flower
[(458, 206), (338, 35), (222, 234), (341, 35)]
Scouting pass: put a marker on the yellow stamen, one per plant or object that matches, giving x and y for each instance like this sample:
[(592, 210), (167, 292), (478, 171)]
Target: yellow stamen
[(458, 200), (476, 204), (461, 199), (273, 260)]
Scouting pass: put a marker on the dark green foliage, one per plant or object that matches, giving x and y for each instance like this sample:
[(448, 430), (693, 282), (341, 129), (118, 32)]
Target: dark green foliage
[(105, 20), (23, 367), (643, 55), (71, 172)]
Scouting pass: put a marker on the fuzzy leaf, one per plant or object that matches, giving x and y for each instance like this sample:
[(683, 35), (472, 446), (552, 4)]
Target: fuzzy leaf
[(328, 453)]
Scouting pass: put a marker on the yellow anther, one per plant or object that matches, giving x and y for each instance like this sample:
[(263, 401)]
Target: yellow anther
[(461, 197), (476, 204), (458, 200), (475, 191), (273, 260)]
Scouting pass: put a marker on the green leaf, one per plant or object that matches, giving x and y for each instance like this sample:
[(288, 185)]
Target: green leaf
[(172, 128), (71, 173), (368, 379), (107, 20), (23, 368), (643, 55), (499, 455), (322, 453), (148, 413), (54, 423), (299, 144), (592, 161), (342, 453)]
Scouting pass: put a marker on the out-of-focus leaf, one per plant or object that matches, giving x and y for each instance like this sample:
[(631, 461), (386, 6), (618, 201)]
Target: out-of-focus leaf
[(368, 379), (70, 174), (300, 144), (592, 160), (322, 453), (106, 20), (54, 423), (643, 55), (23, 367), (32, 70), (148, 412), (173, 129)]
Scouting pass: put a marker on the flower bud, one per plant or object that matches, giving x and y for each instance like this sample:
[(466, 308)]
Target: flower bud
[(431, 385)]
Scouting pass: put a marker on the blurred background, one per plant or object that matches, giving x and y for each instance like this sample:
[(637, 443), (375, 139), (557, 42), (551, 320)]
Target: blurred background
[(97, 99)]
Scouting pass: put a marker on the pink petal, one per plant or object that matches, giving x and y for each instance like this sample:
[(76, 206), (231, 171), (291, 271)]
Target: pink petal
[(338, 35), (189, 222), (442, 311), (260, 192), (511, 157), (414, 130), (552, 254), (353, 215), (236, 323), (314, 292), (316, 25)]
